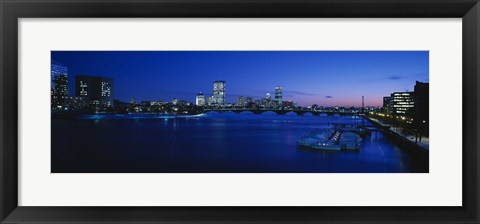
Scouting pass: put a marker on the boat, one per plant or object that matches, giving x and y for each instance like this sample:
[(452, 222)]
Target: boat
[(335, 139), (326, 146)]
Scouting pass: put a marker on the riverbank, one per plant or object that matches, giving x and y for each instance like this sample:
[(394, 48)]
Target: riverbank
[(419, 148)]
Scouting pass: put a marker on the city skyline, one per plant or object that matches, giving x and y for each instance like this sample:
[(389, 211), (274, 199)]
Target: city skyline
[(320, 77)]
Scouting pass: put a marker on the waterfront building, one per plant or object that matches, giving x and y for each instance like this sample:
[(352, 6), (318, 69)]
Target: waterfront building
[(278, 95), (174, 101), (240, 101), (211, 101), (387, 104), (249, 100), (267, 101), (219, 88), (56, 70), (98, 90), (76, 103), (402, 104), (59, 93), (421, 98), (289, 104), (200, 100)]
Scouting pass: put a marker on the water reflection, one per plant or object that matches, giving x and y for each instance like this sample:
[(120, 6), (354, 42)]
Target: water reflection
[(214, 142)]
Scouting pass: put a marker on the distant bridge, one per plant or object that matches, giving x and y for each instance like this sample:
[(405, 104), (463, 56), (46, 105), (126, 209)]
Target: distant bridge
[(282, 112)]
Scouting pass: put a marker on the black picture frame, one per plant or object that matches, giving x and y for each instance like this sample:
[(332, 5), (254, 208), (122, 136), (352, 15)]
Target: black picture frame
[(12, 10)]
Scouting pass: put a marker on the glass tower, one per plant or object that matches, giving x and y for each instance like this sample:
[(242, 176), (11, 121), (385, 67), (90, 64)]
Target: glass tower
[(56, 70), (278, 95), (98, 91), (200, 100), (219, 92)]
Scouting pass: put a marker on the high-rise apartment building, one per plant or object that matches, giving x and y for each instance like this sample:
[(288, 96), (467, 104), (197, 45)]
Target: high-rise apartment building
[(278, 95), (60, 92), (56, 70), (98, 91), (240, 101), (211, 101), (200, 100), (219, 92)]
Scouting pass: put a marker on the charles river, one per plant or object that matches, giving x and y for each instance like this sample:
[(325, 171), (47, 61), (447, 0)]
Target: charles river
[(215, 143)]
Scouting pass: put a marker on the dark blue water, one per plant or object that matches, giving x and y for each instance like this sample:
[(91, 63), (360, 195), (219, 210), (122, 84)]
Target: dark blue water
[(215, 143)]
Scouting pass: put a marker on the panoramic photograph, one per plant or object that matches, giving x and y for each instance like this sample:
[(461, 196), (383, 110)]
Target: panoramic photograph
[(239, 111)]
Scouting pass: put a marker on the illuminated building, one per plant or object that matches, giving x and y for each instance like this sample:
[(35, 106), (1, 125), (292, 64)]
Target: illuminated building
[(240, 101), (219, 92), (200, 100), (211, 101), (175, 101), (289, 104), (267, 101), (387, 101), (60, 92), (56, 70), (278, 95), (402, 103), (76, 103), (98, 91)]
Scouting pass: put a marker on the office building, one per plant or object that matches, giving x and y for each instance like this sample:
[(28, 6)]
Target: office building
[(98, 91), (200, 100), (387, 101), (56, 70), (240, 101), (402, 104), (211, 101), (421, 98), (219, 92), (60, 92), (76, 103), (278, 95)]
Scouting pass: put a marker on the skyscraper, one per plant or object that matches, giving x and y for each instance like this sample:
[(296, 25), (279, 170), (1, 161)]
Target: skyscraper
[(219, 92), (421, 118), (60, 92), (56, 70), (211, 101), (200, 100), (278, 95), (98, 90), (240, 101)]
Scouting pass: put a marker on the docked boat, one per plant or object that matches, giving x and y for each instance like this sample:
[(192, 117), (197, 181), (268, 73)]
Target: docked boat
[(331, 139)]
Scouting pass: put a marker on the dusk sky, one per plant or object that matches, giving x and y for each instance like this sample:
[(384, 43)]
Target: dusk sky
[(326, 78)]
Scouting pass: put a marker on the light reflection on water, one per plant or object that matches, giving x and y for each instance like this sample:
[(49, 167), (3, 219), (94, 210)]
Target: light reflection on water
[(214, 142)]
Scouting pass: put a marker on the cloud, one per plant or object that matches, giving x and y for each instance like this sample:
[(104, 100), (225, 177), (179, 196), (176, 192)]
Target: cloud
[(328, 97), (291, 92), (414, 75), (396, 77)]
